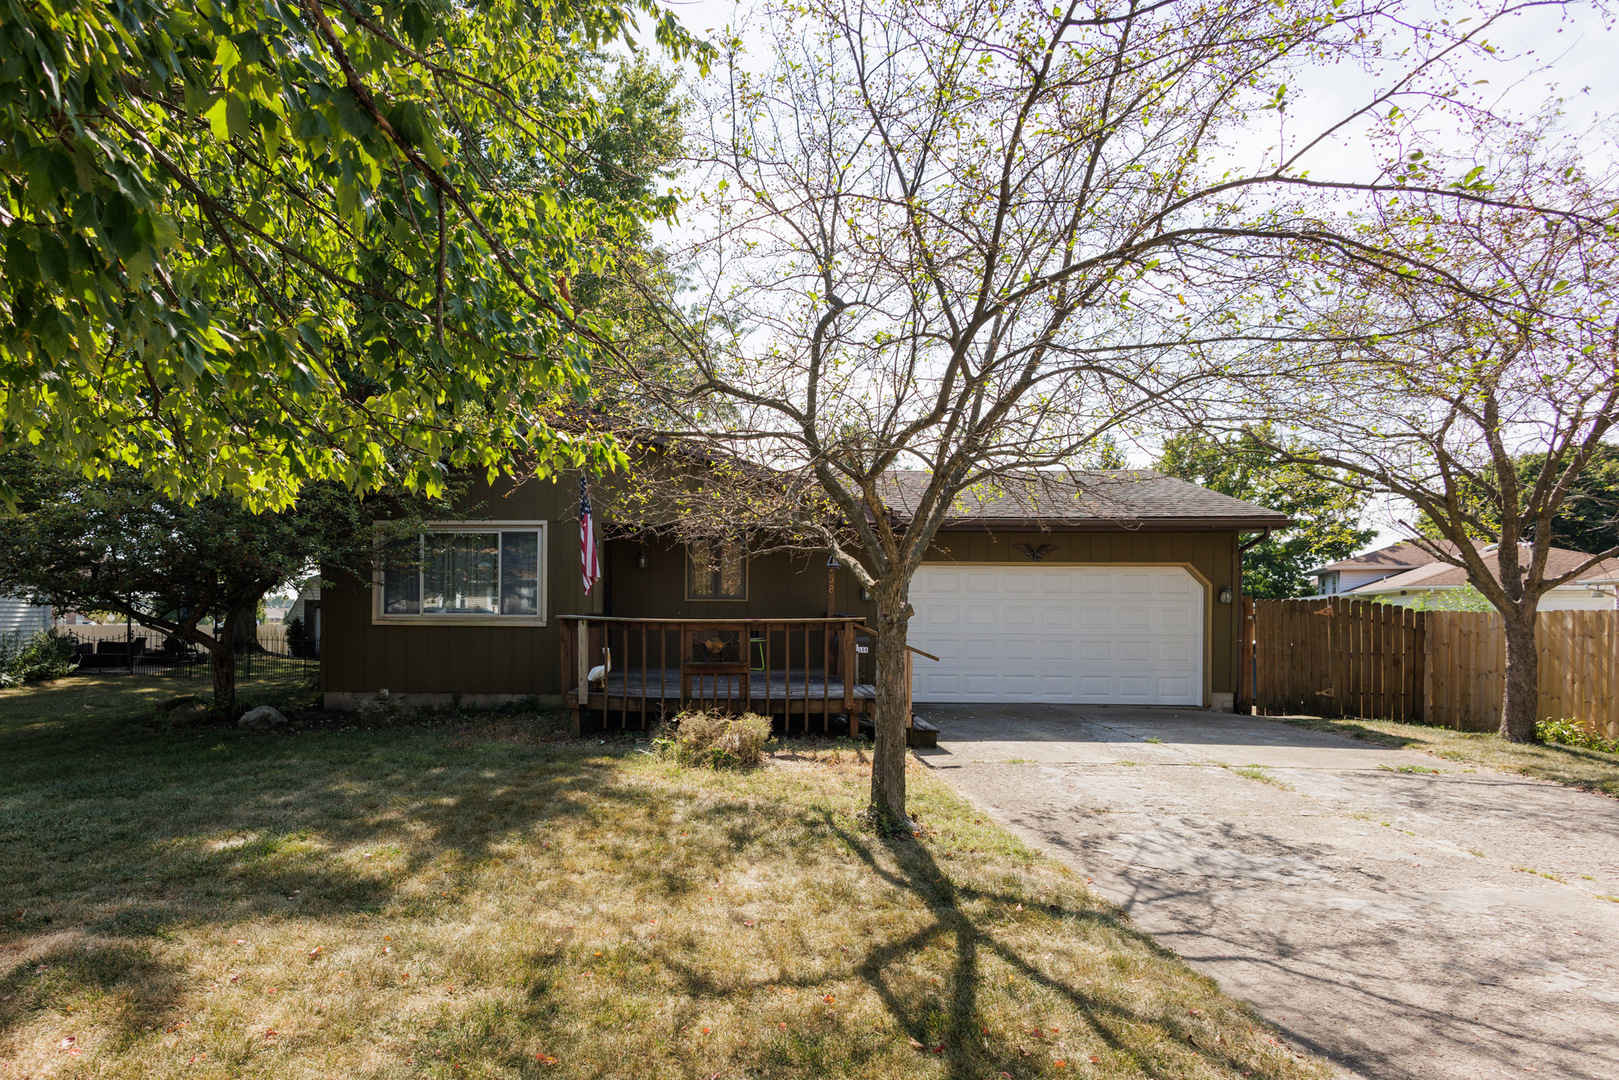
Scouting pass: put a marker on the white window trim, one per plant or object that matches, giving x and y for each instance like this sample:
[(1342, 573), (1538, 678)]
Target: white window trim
[(539, 619)]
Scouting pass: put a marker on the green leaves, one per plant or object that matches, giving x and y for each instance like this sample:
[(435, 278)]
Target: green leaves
[(225, 271)]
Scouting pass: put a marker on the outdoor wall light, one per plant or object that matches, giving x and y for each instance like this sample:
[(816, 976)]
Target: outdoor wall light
[(865, 593), (1225, 594), (640, 560)]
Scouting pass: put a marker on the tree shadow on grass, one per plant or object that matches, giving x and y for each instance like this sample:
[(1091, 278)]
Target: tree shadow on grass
[(180, 839), (97, 868)]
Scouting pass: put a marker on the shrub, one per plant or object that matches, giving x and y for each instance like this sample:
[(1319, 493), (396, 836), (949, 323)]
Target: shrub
[(1573, 733), (45, 654), (715, 740)]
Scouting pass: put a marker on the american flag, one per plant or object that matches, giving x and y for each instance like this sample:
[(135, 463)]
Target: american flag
[(589, 562)]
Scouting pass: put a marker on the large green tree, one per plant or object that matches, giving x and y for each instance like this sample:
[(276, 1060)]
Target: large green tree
[(1327, 511), (253, 245), (1588, 520), (116, 544)]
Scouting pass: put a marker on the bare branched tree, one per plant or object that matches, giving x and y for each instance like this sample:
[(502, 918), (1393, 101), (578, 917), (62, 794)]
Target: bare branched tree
[(959, 239), (1485, 337)]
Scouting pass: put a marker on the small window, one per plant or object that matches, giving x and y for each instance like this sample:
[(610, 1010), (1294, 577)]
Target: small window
[(716, 570), (457, 572)]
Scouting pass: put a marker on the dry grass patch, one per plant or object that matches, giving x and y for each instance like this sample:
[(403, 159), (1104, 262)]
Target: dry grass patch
[(1590, 770), (480, 900)]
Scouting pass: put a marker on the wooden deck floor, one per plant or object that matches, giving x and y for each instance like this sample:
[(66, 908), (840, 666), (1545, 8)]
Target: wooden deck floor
[(629, 700), (778, 686)]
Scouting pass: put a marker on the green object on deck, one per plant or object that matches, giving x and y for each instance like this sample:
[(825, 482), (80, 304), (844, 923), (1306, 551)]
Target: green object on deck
[(757, 644)]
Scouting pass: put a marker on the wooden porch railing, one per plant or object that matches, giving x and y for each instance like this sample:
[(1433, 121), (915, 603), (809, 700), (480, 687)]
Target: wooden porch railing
[(650, 667)]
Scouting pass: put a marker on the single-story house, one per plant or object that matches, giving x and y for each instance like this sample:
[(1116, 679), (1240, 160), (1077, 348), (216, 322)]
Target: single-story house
[(1428, 585), (1121, 590), (1347, 575), (23, 617)]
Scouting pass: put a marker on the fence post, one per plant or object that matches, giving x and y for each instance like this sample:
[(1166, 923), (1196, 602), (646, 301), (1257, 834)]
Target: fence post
[(1245, 658)]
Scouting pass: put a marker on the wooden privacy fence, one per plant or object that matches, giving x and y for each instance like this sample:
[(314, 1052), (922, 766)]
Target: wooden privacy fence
[(1338, 657), (1579, 666)]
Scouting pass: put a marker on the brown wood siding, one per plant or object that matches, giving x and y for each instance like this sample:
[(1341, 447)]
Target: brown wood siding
[(1211, 554), (780, 586), (358, 656)]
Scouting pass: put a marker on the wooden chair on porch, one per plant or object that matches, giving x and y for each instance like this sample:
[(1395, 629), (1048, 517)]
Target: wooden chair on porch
[(710, 657)]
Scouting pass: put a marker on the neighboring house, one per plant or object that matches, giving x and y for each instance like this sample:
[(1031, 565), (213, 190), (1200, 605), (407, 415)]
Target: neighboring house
[(307, 610), (1427, 585), (23, 616), (1347, 575), (1123, 595)]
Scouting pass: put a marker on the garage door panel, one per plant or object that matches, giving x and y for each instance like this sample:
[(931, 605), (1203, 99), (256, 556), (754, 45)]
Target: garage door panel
[(1174, 618), (1172, 652), (1058, 649), (982, 616), (1019, 617), (1095, 618), (1093, 651), (1128, 635)]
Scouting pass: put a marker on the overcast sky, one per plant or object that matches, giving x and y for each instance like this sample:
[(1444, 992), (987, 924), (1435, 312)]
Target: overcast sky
[(1569, 52)]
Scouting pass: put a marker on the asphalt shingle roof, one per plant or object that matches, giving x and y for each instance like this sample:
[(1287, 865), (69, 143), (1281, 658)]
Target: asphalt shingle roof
[(1443, 575), (1093, 497)]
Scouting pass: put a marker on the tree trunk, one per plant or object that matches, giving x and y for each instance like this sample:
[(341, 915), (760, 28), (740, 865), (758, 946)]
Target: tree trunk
[(242, 627), (1519, 706), (888, 756), (224, 665)]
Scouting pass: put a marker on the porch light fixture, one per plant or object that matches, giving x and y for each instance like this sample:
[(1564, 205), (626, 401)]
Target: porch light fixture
[(640, 560), (1225, 594), (865, 593)]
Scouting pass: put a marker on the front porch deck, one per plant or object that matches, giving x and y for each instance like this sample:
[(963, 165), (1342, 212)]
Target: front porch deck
[(639, 697), (789, 668)]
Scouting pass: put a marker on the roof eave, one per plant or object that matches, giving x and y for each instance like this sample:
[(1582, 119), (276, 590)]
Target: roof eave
[(1165, 524)]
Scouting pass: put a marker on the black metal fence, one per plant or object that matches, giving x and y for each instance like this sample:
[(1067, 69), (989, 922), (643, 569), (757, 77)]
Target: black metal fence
[(135, 650)]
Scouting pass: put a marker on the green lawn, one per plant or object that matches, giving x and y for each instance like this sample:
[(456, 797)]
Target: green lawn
[(489, 898), (1575, 766)]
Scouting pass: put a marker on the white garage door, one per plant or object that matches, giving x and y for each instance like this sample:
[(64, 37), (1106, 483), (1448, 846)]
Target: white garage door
[(1085, 634)]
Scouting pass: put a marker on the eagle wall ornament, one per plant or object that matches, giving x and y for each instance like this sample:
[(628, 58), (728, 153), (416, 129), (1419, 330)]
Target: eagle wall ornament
[(1036, 553)]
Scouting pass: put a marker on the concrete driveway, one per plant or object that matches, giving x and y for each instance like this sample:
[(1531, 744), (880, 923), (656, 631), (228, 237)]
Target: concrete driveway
[(1404, 924)]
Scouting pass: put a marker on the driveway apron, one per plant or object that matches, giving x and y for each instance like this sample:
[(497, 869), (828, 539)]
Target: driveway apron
[(1400, 921)]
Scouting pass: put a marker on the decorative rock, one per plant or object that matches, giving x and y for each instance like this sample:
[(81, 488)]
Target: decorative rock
[(263, 718)]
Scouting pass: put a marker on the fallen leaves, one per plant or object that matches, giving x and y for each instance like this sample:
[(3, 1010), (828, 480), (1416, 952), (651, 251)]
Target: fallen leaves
[(545, 1059), (830, 999)]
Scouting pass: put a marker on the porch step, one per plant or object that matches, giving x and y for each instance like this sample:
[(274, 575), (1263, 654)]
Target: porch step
[(920, 733)]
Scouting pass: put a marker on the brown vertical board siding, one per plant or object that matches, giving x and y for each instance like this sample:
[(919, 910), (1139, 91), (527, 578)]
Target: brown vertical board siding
[(362, 657)]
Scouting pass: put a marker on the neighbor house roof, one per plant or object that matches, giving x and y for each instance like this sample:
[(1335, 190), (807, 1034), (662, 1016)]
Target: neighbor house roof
[(1395, 557), (1085, 499), (1443, 575)]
